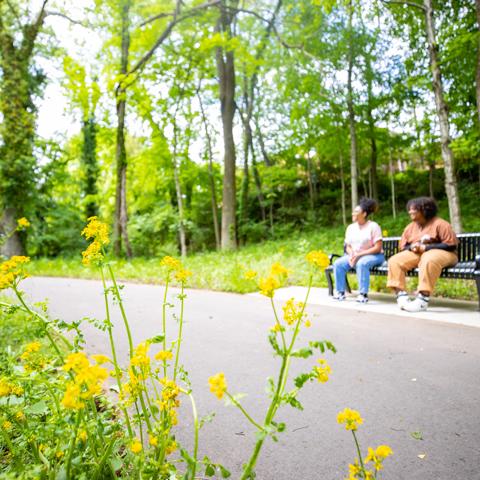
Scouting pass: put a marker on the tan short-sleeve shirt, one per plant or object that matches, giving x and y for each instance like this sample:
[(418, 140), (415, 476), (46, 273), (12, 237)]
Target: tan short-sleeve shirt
[(437, 230)]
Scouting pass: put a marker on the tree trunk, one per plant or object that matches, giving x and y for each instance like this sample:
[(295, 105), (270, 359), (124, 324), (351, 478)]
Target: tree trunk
[(121, 216), (392, 181), (477, 75), (178, 191), (243, 207), (13, 244), (311, 190), (266, 158), (226, 73), (213, 194), (90, 165), (351, 114), (451, 187), (342, 183)]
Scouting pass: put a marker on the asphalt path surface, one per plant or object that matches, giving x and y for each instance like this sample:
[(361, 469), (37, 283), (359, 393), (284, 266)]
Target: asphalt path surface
[(415, 382)]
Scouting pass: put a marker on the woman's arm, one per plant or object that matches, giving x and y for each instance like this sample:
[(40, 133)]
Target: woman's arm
[(377, 248)]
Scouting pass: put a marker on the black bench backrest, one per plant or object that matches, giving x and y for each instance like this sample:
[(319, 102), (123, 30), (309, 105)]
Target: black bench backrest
[(468, 246)]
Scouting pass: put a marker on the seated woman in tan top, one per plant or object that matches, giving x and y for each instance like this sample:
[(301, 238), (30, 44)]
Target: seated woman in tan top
[(428, 243)]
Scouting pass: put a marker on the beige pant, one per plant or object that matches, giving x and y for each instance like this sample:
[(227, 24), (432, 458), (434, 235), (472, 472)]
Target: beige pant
[(430, 265)]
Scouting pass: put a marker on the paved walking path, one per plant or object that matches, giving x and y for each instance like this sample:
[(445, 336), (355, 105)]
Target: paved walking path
[(409, 377)]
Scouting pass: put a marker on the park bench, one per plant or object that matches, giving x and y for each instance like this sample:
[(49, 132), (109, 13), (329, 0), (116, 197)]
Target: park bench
[(468, 266)]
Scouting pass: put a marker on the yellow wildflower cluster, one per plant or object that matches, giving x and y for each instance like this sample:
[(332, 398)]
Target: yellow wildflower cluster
[(132, 388), (322, 371), (171, 263), (170, 401), (278, 275), (218, 385), (293, 312), (378, 455), (351, 419), (174, 265), (32, 360), (164, 355), (141, 359), (268, 286), (171, 447), (22, 223), (11, 270), (101, 359), (318, 258), (8, 388), (98, 231), (86, 383), (250, 274), (6, 425)]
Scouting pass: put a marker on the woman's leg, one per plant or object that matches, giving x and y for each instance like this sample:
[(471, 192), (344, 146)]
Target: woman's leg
[(340, 269), (363, 267)]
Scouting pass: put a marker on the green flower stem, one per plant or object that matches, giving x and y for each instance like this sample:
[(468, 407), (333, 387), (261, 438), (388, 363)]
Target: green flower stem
[(139, 423), (55, 399), (280, 326), (237, 404), (195, 439), (282, 380), (114, 352), (122, 309), (164, 322), (180, 327), (130, 341), (359, 452), (103, 460), (72, 442)]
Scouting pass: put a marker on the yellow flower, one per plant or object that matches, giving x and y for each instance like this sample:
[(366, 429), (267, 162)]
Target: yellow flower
[(141, 358), (82, 436), (318, 258), (136, 446), (33, 347), (268, 286), (276, 328), (170, 389), (152, 440), (59, 454), (11, 270), (164, 355), (308, 323), (218, 385), (93, 254), (323, 371), (22, 223), (292, 312), (279, 270), (182, 275), (5, 387), (385, 233), (171, 263), (351, 419), (101, 359), (250, 274), (171, 447), (354, 471), (20, 416), (97, 230), (6, 425), (377, 456), (71, 398)]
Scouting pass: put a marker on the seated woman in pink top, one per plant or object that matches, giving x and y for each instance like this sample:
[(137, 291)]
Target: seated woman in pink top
[(363, 247)]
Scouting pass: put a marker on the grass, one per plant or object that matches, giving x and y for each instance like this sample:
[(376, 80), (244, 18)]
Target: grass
[(224, 271)]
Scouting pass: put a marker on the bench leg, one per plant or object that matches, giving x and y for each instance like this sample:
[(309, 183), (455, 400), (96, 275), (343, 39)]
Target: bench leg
[(328, 274), (349, 290), (477, 281)]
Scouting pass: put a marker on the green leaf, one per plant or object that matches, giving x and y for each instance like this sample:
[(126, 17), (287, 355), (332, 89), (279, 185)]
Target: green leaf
[(224, 472), (39, 408), (156, 339), (210, 470), (302, 353), (417, 435), (302, 379)]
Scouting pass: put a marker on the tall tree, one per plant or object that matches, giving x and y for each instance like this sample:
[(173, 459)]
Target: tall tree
[(19, 81), (451, 185), (225, 57)]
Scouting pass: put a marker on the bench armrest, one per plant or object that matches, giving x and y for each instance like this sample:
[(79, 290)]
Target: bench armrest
[(334, 255), (477, 262)]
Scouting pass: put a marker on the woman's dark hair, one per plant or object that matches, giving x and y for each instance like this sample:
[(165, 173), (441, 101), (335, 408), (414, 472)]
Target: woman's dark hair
[(425, 205), (368, 205)]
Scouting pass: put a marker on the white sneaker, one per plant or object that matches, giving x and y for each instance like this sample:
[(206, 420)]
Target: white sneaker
[(362, 298), (402, 299), (340, 296), (420, 304)]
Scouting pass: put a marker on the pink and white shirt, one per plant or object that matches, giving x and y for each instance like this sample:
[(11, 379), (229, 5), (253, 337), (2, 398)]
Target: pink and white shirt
[(363, 237)]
